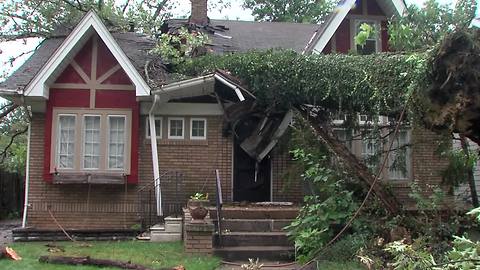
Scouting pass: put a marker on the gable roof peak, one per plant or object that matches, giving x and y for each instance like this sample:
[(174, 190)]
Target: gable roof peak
[(88, 25)]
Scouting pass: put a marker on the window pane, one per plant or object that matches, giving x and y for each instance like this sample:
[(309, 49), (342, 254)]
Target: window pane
[(370, 148), (158, 127), (399, 158), (66, 141), (116, 144), (91, 153), (198, 128), (176, 128)]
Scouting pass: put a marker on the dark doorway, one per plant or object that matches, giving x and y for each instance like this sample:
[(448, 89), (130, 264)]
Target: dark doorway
[(245, 186)]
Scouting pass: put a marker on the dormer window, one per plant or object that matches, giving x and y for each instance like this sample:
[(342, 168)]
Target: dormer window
[(372, 43)]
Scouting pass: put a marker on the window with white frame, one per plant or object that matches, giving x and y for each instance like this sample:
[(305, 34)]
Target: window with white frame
[(116, 141), (400, 158), (372, 43), (158, 127), (198, 128), (345, 136), (176, 127), (370, 149), (91, 140), (65, 144)]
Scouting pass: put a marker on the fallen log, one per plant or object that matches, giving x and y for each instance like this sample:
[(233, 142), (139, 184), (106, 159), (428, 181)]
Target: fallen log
[(97, 262)]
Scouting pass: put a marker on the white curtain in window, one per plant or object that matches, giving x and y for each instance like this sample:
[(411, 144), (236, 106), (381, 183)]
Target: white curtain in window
[(116, 142), (91, 157), (66, 141)]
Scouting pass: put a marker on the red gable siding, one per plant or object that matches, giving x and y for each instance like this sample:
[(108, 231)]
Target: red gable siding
[(364, 9), (104, 99), (343, 37)]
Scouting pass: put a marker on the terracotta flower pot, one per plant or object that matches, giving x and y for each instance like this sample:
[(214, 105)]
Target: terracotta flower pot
[(198, 213), (196, 203)]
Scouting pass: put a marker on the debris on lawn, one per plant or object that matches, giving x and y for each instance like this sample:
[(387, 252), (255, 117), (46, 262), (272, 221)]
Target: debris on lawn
[(9, 253), (98, 262), (52, 248)]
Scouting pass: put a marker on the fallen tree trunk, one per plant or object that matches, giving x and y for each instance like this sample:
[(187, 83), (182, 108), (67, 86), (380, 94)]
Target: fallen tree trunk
[(97, 262), (352, 163)]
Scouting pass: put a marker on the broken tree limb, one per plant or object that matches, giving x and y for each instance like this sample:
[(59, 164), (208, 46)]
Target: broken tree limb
[(9, 253), (96, 262), (352, 163)]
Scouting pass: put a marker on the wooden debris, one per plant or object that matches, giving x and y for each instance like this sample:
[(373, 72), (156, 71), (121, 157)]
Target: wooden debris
[(97, 262), (9, 253)]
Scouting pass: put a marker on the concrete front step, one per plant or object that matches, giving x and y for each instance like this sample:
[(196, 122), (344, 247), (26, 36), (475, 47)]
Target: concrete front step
[(256, 212), (243, 253), (254, 225), (240, 239)]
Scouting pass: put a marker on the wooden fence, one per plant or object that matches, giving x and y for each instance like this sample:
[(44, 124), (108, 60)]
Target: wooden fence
[(11, 193)]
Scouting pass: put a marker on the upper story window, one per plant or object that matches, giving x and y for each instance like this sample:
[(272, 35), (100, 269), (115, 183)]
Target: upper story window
[(176, 127), (86, 140), (372, 43), (198, 128)]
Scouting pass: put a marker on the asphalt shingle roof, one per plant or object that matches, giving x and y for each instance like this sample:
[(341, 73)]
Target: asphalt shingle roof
[(242, 36), (135, 46), (225, 36)]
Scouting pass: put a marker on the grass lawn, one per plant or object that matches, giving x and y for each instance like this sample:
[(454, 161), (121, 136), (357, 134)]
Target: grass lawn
[(154, 255)]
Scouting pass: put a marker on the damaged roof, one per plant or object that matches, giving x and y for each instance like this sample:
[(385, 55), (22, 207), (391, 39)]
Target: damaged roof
[(134, 45), (241, 36)]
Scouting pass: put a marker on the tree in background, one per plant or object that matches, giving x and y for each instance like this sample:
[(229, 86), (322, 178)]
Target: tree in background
[(424, 26), (299, 11)]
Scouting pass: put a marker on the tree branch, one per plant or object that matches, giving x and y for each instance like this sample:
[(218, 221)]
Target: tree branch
[(3, 154)]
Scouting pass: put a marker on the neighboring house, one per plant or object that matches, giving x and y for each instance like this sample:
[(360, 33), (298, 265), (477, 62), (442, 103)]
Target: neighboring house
[(92, 160)]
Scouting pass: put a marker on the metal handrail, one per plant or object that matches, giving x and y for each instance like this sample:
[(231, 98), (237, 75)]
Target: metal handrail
[(219, 202)]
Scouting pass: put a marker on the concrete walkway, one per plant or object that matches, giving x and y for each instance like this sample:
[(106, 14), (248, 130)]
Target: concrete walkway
[(6, 227), (267, 266)]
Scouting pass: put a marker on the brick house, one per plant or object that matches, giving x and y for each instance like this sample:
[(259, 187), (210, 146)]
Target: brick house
[(92, 159)]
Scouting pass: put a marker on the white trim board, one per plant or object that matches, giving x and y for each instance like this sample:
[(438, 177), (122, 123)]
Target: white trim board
[(194, 109), (89, 24)]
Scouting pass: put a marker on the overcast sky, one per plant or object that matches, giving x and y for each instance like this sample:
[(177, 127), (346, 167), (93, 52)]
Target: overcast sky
[(234, 12)]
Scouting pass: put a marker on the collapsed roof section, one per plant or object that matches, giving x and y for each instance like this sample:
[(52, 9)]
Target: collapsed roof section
[(257, 130)]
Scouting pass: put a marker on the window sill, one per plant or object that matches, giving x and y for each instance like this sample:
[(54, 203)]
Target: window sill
[(186, 142), (89, 178)]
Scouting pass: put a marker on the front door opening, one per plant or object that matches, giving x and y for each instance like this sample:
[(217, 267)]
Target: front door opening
[(251, 180)]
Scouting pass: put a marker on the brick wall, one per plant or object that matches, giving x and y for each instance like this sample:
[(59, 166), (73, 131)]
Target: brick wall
[(426, 166)]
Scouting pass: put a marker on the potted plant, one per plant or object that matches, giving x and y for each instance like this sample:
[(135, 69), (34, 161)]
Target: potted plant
[(196, 204)]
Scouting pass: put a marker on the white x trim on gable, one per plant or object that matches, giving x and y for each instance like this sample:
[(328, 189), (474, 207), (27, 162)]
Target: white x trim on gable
[(327, 31), (89, 25)]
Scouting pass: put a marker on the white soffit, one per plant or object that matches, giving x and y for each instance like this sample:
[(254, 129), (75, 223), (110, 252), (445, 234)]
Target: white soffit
[(341, 12), (91, 21)]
